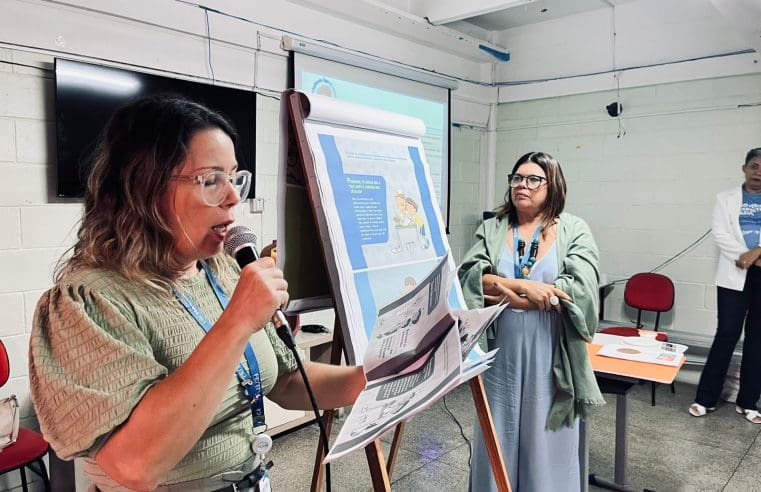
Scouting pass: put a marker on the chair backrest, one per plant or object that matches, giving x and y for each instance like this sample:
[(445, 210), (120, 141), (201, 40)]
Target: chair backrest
[(5, 365), (650, 292)]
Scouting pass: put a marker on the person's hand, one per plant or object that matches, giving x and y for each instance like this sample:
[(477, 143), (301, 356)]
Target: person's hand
[(261, 290), (540, 293), (758, 262), (748, 258), (496, 293)]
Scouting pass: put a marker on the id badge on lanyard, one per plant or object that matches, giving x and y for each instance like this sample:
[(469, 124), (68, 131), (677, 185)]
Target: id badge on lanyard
[(264, 483), (250, 379)]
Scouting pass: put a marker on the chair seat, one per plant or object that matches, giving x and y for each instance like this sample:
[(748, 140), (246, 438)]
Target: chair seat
[(628, 331), (29, 446)]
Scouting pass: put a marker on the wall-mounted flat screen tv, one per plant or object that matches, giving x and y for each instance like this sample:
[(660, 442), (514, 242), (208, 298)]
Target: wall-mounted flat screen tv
[(87, 95)]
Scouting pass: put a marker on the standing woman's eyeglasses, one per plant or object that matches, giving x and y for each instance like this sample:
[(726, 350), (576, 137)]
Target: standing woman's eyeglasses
[(532, 181), (214, 185)]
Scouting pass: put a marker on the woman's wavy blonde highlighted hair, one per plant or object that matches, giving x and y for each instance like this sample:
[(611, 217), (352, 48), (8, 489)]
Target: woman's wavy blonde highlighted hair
[(123, 229)]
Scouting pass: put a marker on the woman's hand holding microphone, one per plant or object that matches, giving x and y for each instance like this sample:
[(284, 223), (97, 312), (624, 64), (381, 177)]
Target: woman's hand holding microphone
[(261, 290)]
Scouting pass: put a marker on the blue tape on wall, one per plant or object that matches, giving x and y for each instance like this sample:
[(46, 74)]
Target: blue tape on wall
[(499, 55)]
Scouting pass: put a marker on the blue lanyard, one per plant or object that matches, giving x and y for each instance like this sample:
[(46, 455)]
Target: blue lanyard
[(251, 381), (519, 264)]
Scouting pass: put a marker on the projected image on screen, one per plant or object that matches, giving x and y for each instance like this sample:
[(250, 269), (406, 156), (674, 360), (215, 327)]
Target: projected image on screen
[(432, 113), (387, 92)]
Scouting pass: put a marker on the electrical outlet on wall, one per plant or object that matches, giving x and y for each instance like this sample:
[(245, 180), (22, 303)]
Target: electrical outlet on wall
[(257, 205)]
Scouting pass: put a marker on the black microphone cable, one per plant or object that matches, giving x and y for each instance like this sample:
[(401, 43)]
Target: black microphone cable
[(240, 243), (285, 334)]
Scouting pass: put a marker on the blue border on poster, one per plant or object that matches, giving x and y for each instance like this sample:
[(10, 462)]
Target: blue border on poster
[(341, 192), (425, 197)]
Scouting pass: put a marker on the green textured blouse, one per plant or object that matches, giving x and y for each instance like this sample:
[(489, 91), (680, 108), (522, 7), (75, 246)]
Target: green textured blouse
[(100, 341)]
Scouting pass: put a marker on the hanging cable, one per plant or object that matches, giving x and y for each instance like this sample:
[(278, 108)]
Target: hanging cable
[(464, 79), (208, 38), (686, 250), (268, 96), (616, 74), (671, 260)]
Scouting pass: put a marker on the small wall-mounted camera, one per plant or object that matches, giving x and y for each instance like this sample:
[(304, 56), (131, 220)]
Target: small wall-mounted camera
[(614, 109)]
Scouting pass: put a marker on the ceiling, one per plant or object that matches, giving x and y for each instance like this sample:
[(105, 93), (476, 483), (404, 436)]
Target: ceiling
[(481, 17), (537, 11)]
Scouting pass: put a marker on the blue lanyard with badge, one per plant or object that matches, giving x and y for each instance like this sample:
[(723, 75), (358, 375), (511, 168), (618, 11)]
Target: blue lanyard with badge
[(250, 379)]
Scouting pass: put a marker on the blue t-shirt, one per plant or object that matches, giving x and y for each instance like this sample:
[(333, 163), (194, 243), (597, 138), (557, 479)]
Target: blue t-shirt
[(750, 219)]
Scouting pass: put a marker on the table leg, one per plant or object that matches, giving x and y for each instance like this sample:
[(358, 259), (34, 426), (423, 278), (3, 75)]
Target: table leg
[(621, 390), (584, 455), (622, 444)]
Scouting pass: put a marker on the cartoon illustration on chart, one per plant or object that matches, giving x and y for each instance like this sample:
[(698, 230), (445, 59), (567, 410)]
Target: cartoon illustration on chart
[(380, 412), (467, 337), (410, 315), (409, 225), (409, 284)]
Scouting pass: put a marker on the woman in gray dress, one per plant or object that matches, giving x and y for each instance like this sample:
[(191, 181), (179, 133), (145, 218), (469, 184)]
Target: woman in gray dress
[(545, 264)]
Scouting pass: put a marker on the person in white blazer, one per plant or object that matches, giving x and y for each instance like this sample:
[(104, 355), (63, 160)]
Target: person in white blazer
[(736, 229)]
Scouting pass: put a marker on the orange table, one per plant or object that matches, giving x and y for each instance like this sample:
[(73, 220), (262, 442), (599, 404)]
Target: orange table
[(628, 368), (619, 376)]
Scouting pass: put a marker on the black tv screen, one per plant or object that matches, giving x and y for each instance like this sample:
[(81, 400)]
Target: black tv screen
[(87, 95)]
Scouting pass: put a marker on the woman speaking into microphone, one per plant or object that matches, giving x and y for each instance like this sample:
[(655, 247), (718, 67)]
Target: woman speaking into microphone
[(544, 263), (151, 354)]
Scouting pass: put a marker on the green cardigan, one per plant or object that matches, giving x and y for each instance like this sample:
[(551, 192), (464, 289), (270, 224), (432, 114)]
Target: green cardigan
[(578, 259)]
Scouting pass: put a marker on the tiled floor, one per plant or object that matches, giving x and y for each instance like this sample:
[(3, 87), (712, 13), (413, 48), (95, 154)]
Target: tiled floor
[(669, 450)]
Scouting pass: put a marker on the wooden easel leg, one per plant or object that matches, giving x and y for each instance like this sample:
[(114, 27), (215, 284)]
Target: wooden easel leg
[(490, 435), (394, 451), (378, 473)]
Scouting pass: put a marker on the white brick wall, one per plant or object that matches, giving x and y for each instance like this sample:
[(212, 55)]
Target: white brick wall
[(38, 228), (12, 307), (7, 140), (11, 227), (648, 33), (267, 155), (648, 194), (33, 232), (464, 211)]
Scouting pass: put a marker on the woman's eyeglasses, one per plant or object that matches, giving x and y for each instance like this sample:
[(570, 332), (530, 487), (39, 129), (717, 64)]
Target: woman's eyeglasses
[(214, 185), (532, 181)]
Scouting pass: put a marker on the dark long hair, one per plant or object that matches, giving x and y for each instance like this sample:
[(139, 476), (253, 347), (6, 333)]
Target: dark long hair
[(752, 154), (556, 190), (123, 229)]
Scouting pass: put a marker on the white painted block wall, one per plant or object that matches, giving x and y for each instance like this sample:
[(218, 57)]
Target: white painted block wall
[(465, 193), (649, 193), (646, 195), (38, 227)]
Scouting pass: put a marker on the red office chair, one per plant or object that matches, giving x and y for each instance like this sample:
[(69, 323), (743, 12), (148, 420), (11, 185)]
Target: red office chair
[(648, 292), (30, 447)]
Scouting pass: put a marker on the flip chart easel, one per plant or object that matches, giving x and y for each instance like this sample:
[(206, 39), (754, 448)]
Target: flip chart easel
[(380, 469)]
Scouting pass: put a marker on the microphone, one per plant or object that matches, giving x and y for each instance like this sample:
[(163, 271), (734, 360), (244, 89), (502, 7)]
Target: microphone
[(240, 243)]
